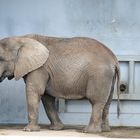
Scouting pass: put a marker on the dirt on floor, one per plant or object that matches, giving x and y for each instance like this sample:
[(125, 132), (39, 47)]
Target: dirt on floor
[(73, 131)]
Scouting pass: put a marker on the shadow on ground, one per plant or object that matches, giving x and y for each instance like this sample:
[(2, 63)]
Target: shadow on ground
[(116, 132)]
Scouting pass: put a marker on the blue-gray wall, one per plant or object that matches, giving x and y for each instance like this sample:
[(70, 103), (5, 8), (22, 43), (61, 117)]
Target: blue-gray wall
[(116, 23)]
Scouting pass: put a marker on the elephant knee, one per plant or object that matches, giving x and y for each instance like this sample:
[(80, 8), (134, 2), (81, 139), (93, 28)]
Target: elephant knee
[(33, 88)]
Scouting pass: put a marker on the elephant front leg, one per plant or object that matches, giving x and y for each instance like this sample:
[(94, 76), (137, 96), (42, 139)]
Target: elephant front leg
[(35, 87), (33, 105)]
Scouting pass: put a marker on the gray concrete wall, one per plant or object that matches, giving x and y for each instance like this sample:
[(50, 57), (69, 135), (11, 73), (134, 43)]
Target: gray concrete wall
[(116, 23)]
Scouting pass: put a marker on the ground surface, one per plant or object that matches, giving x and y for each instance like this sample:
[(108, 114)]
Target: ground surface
[(76, 131)]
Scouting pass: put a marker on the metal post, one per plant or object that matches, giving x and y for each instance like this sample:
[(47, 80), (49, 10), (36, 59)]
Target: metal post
[(131, 77)]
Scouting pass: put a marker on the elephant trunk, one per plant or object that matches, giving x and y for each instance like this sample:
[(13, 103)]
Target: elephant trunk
[(2, 78), (2, 74)]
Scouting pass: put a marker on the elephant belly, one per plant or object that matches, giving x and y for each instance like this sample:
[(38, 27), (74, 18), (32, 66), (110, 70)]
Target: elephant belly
[(67, 89), (66, 93)]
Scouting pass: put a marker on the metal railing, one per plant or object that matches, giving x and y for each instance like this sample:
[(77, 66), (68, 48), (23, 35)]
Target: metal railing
[(131, 94), (131, 59)]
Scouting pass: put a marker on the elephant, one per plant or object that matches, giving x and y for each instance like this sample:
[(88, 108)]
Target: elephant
[(67, 68)]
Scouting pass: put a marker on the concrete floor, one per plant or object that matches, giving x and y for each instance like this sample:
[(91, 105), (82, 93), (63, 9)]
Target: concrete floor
[(70, 131)]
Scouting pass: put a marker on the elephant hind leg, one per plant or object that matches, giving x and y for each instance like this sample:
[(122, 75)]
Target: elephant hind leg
[(94, 125), (98, 92), (105, 123), (49, 106)]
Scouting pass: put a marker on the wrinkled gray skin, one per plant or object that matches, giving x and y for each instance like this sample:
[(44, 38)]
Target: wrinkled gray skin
[(74, 68)]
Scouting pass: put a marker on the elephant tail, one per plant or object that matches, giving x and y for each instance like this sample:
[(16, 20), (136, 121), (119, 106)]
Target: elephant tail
[(117, 71)]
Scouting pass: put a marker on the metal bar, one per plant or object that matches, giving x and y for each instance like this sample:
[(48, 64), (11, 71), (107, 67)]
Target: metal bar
[(131, 77), (128, 58), (135, 97), (61, 105)]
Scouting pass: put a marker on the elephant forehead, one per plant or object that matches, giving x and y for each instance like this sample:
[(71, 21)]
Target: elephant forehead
[(7, 56), (7, 42)]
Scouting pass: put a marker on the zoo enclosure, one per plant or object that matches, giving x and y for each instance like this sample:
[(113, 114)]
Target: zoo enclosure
[(116, 23)]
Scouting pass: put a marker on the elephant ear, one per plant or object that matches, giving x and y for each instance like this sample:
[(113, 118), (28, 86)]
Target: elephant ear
[(31, 55)]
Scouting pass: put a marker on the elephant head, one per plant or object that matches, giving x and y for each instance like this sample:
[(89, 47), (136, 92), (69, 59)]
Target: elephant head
[(19, 56)]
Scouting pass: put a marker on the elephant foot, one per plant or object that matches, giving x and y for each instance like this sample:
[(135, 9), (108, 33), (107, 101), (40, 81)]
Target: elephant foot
[(31, 128), (106, 128), (58, 126), (92, 129)]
